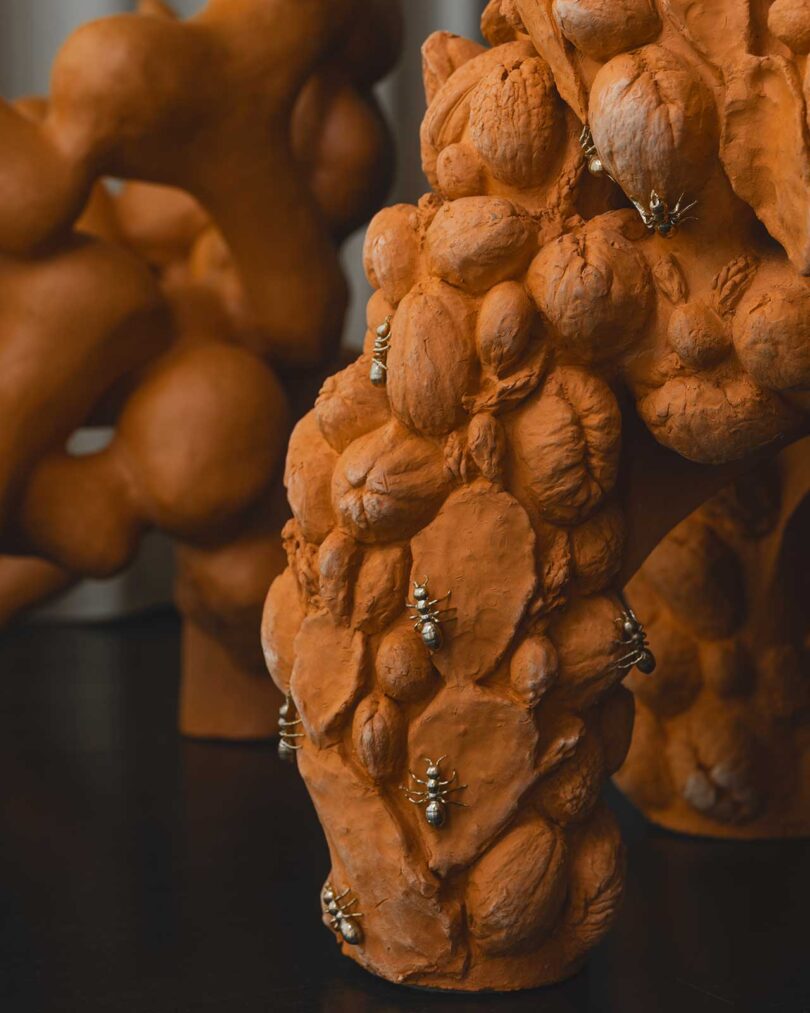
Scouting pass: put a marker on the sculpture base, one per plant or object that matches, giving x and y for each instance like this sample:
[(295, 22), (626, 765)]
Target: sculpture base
[(218, 698), (490, 979)]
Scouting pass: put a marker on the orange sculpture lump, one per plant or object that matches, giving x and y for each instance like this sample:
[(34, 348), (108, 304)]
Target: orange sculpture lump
[(544, 326), (183, 309), (721, 744)]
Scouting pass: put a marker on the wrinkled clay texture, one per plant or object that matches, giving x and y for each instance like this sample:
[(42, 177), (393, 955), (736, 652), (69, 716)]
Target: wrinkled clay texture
[(190, 309), (564, 386), (721, 744)]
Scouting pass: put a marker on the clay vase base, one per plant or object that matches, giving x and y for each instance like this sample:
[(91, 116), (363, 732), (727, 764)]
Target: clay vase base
[(683, 819), (220, 700), (493, 976)]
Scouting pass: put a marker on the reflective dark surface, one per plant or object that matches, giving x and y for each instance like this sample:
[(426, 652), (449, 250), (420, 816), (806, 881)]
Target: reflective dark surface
[(141, 873)]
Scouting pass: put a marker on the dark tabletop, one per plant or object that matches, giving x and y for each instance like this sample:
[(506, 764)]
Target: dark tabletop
[(142, 873)]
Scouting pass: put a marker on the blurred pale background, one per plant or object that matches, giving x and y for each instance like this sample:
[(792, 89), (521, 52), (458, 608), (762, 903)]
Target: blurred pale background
[(31, 32)]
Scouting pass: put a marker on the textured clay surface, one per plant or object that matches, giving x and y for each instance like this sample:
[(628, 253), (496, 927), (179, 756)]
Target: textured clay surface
[(189, 310), (722, 740), (573, 367)]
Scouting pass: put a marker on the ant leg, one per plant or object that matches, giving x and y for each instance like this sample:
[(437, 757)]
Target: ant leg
[(412, 791), (627, 663), (631, 654), (627, 608), (459, 787), (646, 217), (445, 617), (344, 894)]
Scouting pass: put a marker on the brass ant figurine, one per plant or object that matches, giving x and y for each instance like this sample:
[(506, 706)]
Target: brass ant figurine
[(287, 747), (379, 362), (635, 640), (658, 216), (342, 918), (434, 796), (663, 219), (428, 618)]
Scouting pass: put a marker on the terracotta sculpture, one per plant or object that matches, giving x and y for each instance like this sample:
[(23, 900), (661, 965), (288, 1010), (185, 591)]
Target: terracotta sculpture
[(721, 744), (209, 294), (559, 367)]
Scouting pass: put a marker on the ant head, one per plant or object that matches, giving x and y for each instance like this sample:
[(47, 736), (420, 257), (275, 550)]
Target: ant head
[(420, 591), (433, 766), (328, 893)]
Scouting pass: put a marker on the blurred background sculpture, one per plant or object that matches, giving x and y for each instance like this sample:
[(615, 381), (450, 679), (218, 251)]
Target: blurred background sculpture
[(574, 362), (186, 309), (721, 744)]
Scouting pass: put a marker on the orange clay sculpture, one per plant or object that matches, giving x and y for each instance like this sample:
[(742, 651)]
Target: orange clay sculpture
[(597, 319), (721, 744), (183, 309)]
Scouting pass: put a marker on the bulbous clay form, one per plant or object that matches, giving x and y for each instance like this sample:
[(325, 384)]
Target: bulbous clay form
[(183, 309), (567, 378), (721, 744)]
